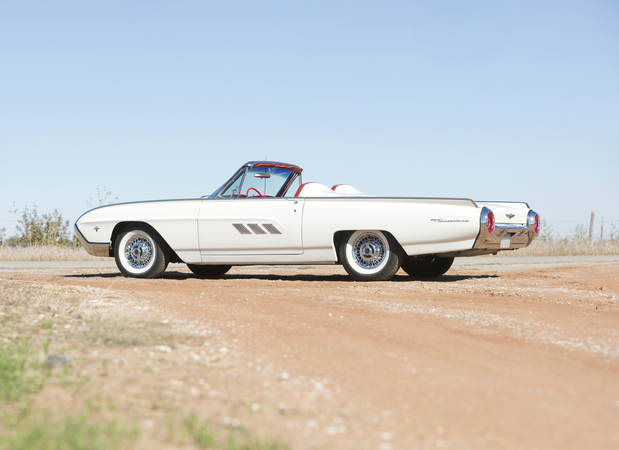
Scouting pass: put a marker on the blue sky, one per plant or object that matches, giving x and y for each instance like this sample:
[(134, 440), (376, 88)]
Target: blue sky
[(487, 100)]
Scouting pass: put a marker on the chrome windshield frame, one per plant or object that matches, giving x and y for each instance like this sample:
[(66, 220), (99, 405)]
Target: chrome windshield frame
[(295, 172), (223, 188)]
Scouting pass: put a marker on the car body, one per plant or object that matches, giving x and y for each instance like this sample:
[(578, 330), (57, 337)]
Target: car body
[(264, 214)]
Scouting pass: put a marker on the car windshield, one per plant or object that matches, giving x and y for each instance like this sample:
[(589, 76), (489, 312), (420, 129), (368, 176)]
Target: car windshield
[(257, 182)]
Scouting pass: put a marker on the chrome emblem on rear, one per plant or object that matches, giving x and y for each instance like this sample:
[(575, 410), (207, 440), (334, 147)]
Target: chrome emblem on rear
[(510, 216)]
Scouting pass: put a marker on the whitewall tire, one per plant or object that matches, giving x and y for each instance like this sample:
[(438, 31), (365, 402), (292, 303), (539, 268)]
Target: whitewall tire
[(140, 253), (370, 255)]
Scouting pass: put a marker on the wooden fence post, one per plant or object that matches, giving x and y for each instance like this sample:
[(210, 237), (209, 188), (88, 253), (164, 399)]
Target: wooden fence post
[(591, 226)]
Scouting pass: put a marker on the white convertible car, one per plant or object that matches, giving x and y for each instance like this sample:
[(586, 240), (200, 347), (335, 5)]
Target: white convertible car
[(264, 214)]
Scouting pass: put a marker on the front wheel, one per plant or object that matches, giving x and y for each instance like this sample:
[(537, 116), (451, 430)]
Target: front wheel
[(140, 253), (370, 255), (430, 267), (208, 271)]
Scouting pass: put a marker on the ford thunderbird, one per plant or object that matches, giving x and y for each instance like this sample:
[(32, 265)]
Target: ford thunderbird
[(265, 214)]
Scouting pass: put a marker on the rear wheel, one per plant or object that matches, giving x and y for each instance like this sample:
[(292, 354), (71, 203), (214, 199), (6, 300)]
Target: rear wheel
[(370, 255), (139, 252), (208, 271), (430, 267)]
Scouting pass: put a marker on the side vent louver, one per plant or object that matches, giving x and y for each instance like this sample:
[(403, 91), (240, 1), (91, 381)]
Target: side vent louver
[(271, 228), (241, 228), (256, 228)]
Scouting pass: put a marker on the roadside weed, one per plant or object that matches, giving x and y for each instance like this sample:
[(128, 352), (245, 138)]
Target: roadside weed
[(207, 435), (21, 372), (60, 346), (43, 431)]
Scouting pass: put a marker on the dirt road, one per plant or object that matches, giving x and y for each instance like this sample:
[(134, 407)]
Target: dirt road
[(500, 353)]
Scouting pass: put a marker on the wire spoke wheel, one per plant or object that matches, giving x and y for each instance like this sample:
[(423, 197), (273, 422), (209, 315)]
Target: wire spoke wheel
[(139, 252), (370, 255), (369, 251)]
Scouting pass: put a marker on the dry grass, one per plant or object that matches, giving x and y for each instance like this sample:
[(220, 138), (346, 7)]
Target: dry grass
[(45, 253), (564, 247), (89, 401), (567, 247), (93, 313)]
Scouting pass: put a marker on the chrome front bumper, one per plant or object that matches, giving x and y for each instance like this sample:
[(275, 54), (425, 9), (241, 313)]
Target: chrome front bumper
[(92, 249)]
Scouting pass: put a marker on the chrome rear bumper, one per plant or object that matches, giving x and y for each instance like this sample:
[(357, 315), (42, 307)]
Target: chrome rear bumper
[(505, 237)]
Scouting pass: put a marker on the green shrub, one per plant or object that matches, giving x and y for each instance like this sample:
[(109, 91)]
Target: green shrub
[(45, 229)]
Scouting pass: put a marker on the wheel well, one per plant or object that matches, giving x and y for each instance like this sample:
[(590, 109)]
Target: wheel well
[(340, 235), (122, 225), (337, 240)]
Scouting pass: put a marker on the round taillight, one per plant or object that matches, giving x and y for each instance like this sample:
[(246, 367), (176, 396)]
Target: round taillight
[(533, 222), (490, 222)]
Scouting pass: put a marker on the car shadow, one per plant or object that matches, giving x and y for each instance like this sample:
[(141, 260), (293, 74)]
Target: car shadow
[(174, 275)]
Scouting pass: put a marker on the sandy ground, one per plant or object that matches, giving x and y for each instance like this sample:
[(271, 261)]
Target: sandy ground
[(500, 353)]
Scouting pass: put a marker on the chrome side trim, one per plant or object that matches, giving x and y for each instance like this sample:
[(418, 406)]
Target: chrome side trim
[(503, 201), (142, 201), (92, 248)]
